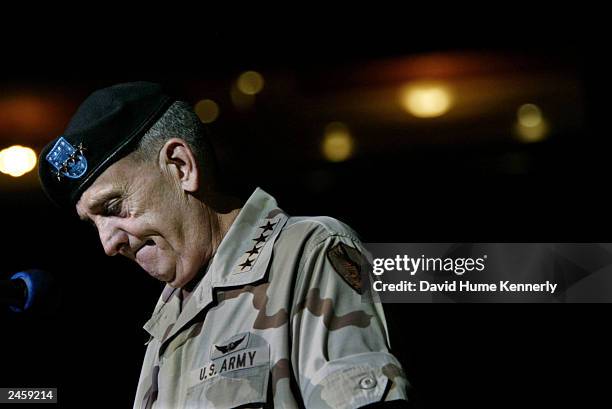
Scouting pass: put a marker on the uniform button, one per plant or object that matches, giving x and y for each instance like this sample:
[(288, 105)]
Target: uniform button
[(367, 383)]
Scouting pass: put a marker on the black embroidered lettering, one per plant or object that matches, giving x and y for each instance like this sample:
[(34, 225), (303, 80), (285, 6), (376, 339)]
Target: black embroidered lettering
[(231, 363), (252, 356), (240, 360)]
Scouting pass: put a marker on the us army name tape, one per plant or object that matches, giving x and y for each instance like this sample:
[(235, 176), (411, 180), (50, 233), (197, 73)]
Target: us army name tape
[(244, 359)]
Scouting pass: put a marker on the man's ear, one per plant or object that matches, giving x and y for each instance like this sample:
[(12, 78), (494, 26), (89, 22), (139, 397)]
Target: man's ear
[(179, 161)]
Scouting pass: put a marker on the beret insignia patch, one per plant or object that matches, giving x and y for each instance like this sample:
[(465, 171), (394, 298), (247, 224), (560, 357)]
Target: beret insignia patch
[(349, 263), (68, 161)]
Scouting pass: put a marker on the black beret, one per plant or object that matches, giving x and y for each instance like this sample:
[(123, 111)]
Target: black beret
[(106, 127)]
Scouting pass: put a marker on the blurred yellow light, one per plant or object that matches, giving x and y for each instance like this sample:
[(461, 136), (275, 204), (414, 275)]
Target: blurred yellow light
[(17, 160), (337, 143), (529, 115), (207, 110), (530, 134), (426, 100), (530, 125), (250, 82)]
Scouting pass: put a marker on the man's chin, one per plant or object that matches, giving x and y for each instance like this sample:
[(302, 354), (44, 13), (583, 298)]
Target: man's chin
[(166, 277), (169, 276)]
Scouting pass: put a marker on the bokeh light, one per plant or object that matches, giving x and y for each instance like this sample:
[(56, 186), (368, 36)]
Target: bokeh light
[(530, 134), (529, 115), (337, 143), (530, 125), (17, 160), (207, 110), (250, 82), (426, 99)]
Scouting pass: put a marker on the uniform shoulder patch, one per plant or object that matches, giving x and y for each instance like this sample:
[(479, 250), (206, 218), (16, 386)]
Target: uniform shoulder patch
[(349, 263)]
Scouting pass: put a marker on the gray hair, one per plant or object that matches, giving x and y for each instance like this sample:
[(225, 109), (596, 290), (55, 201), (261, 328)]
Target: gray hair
[(179, 121)]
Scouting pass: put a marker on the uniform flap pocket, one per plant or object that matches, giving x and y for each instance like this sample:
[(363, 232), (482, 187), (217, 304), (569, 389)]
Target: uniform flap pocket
[(350, 388), (352, 381), (234, 380)]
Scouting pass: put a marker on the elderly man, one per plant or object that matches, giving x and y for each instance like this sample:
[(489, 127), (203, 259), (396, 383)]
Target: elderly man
[(260, 309)]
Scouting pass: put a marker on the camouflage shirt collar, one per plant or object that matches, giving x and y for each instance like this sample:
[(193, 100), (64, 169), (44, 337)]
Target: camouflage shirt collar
[(243, 255)]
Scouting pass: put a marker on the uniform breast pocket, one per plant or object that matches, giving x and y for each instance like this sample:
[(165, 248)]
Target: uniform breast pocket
[(238, 388)]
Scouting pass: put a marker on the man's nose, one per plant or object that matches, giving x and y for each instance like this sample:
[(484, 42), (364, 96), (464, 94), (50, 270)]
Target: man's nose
[(113, 239)]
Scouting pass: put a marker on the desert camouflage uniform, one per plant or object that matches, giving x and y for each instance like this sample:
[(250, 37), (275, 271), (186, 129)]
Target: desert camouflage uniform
[(272, 323)]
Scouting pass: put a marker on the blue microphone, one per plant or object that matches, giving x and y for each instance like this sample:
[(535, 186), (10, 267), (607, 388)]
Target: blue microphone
[(30, 290)]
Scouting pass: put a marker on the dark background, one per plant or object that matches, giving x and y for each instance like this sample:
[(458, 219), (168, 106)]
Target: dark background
[(460, 181)]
